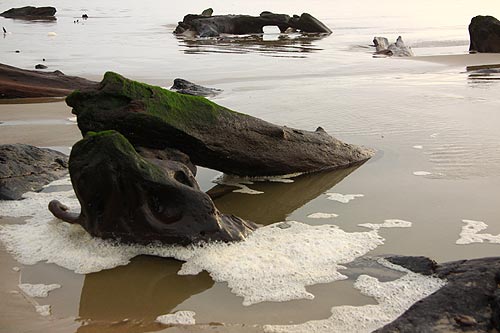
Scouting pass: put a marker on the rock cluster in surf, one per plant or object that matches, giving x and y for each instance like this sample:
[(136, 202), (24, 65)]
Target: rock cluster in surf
[(206, 25)]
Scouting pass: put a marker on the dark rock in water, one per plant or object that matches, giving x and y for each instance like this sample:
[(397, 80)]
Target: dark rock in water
[(211, 135), (40, 66), (213, 26), (397, 49), (422, 265), (189, 88), (21, 83), (125, 197), (30, 13), (467, 303), (484, 34), (26, 168), (84, 16)]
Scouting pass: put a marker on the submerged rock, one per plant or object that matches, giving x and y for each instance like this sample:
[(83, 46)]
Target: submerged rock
[(469, 302), (212, 26), (211, 135), (484, 34), (21, 83), (26, 168), (30, 13), (189, 88), (397, 49), (125, 197)]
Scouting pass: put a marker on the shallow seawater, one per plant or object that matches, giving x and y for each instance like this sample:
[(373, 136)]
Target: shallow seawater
[(443, 101)]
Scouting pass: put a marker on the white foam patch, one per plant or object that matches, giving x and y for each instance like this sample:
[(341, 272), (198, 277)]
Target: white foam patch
[(393, 297), (434, 135), (391, 223), (422, 173), (275, 263), (470, 233), (178, 318), (344, 198), (38, 290), (322, 215), (418, 147), (52, 34), (43, 310)]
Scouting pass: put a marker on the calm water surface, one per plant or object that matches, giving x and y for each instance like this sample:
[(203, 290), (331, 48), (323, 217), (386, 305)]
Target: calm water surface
[(391, 105)]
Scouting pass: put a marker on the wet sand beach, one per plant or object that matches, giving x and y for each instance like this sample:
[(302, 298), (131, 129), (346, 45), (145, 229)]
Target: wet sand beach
[(432, 119)]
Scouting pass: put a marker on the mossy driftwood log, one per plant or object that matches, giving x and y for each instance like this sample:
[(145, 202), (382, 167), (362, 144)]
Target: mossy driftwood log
[(211, 135), (205, 25), (484, 34), (126, 197), (21, 83)]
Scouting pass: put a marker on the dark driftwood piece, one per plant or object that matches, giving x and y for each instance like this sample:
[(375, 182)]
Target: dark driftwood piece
[(211, 135), (126, 197), (213, 26), (21, 83), (484, 34)]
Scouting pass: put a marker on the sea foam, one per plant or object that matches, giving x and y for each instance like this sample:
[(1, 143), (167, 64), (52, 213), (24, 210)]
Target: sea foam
[(393, 297), (470, 233), (38, 290), (275, 263), (178, 318)]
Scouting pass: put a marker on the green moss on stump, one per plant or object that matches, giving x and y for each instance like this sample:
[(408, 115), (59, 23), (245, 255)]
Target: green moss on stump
[(111, 145), (177, 109)]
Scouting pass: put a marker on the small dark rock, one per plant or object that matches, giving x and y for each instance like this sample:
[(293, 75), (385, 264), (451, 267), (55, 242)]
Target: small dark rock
[(422, 265), (207, 12), (84, 16), (17, 51), (26, 168), (40, 66), (30, 13), (189, 88)]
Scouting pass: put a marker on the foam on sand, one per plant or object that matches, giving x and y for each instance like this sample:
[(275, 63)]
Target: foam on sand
[(43, 310), (322, 215), (470, 233), (38, 290), (422, 173), (178, 318), (393, 297), (393, 223), (343, 198), (418, 147), (275, 263)]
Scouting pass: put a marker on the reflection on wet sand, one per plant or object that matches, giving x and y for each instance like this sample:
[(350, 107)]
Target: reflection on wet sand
[(273, 45), (477, 74), (279, 199), (142, 290)]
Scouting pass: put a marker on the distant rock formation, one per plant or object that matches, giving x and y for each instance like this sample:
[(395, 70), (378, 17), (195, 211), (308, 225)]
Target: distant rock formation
[(21, 83), (26, 168), (206, 25), (132, 199), (469, 302), (397, 49), (189, 88), (211, 135), (30, 13), (484, 34)]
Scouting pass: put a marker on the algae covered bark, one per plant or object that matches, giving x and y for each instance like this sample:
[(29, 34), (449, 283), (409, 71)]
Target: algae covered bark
[(211, 135), (125, 197)]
